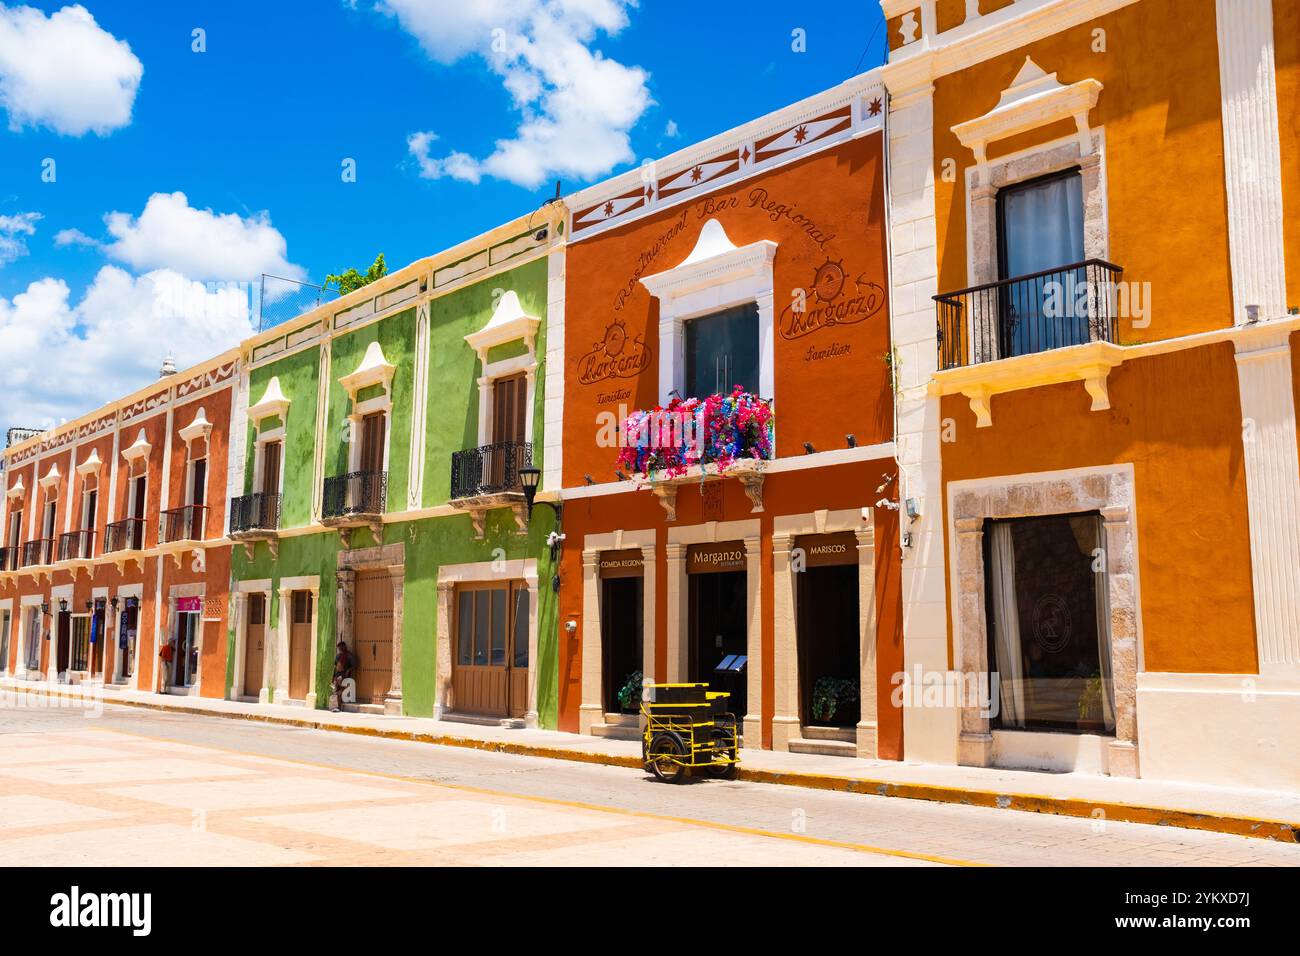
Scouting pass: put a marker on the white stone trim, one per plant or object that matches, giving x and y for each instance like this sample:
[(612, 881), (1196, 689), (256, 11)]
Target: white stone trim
[(273, 403), (1273, 498), (91, 465), (277, 665), (716, 275), (1252, 157), (1108, 489), (553, 401), (1033, 100), (373, 370), (591, 709), (786, 719), (420, 409)]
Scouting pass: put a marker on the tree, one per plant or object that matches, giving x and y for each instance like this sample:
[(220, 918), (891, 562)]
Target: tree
[(352, 279)]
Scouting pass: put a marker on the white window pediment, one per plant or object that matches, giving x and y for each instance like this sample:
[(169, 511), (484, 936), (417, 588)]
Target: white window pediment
[(715, 261), (1033, 100), (272, 404), (199, 428), (17, 491), (373, 370), (509, 323), (50, 478), (717, 275), (139, 449), (91, 465)]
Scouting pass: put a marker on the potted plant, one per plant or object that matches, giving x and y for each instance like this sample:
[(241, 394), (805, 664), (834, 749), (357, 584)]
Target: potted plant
[(829, 694), (629, 695)]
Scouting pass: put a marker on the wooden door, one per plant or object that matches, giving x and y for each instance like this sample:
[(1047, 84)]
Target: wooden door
[(508, 398), (254, 645), (300, 645), (490, 671), (271, 468), (137, 529), (373, 428), (198, 494), (372, 616)]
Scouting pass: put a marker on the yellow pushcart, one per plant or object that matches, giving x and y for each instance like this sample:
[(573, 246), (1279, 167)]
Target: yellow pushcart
[(687, 728)]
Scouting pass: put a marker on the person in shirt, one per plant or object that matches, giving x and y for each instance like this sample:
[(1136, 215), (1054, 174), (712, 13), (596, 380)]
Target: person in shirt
[(344, 664), (166, 654)]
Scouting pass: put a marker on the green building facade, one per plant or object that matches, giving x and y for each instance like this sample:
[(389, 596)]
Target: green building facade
[(381, 501)]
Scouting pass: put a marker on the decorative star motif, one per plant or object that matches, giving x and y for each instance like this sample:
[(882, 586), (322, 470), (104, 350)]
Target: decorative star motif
[(696, 173), (874, 109), (609, 209), (801, 134)]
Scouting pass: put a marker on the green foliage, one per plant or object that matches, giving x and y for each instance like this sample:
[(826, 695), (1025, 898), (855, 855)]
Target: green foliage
[(629, 695), (352, 279), (829, 693)]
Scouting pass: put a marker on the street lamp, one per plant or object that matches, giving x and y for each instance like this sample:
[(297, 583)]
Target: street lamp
[(529, 478)]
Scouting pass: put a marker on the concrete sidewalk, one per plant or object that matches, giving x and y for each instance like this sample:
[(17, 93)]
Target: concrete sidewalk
[(1273, 815)]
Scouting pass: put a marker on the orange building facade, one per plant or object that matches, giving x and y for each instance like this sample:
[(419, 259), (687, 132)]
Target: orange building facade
[(1094, 271), (756, 260), (115, 540)]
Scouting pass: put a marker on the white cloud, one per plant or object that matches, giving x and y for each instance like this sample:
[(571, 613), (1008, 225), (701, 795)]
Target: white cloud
[(576, 105), (171, 234), (13, 230), (65, 72), (671, 130), (74, 237), (111, 342)]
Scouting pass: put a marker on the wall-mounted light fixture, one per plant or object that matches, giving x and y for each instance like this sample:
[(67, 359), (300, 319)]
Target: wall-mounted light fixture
[(851, 440), (529, 479), (808, 448), (45, 608), (63, 605)]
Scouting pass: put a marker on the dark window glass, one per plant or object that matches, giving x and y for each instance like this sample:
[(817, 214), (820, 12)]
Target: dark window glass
[(464, 627), (521, 627), (481, 627), (722, 352), (1048, 623), (498, 626)]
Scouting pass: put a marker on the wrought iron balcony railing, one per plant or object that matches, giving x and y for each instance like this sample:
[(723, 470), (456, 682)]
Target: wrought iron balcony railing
[(355, 494), (38, 552), (9, 558), (1053, 309), (186, 523), (124, 535), (76, 545), (490, 469), (255, 512)]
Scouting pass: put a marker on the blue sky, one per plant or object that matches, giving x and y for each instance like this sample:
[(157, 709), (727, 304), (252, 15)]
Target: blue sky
[(254, 131)]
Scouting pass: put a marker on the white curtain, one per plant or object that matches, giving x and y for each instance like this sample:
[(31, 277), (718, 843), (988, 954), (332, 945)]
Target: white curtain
[(1006, 626), (1103, 636)]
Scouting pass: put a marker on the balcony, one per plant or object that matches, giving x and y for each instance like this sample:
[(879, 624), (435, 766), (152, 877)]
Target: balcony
[(183, 525), (77, 549), (8, 559), (125, 535), (487, 477), (1059, 325), (254, 518), (355, 500), (38, 553)]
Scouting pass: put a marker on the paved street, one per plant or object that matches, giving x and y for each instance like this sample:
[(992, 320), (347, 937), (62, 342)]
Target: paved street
[(135, 787)]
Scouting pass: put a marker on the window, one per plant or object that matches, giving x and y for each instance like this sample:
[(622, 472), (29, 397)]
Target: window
[(80, 643), (138, 487), (271, 468), (1049, 638), (1040, 228), (51, 509), (722, 352), (4, 641), (33, 640), (301, 607)]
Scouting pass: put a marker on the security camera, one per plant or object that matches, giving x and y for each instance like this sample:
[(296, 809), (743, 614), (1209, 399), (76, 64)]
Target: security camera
[(541, 234)]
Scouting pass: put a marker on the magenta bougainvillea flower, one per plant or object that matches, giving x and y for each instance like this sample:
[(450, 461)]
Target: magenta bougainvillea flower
[(719, 430)]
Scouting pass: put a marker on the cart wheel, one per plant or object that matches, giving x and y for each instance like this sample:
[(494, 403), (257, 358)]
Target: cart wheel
[(666, 752), (727, 771)]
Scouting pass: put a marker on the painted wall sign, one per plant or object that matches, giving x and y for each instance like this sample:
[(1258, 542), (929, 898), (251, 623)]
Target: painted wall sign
[(821, 550), (831, 300), (621, 564), (189, 605), (715, 558), (614, 356)]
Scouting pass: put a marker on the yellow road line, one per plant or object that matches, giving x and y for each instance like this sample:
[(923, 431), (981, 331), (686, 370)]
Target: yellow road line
[(572, 804)]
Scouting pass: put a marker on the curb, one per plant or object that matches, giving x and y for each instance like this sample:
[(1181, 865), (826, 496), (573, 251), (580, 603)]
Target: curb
[(1253, 827)]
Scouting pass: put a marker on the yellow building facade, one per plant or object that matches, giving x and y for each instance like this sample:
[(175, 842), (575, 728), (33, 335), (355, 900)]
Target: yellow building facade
[(1095, 234)]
